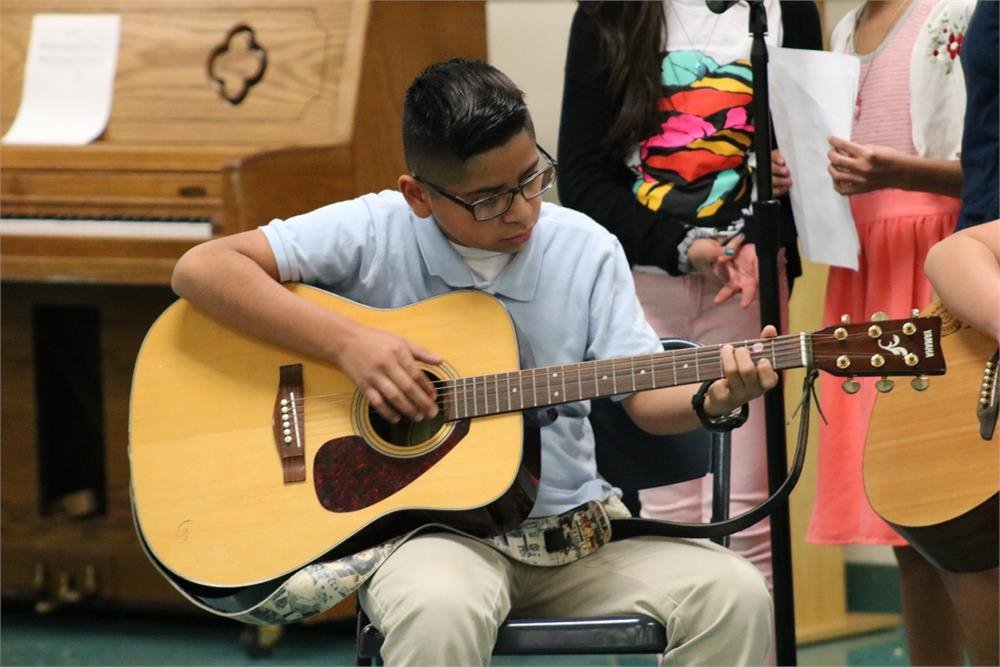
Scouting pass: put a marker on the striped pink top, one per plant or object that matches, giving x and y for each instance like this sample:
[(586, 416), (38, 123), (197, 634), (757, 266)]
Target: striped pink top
[(883, 116)]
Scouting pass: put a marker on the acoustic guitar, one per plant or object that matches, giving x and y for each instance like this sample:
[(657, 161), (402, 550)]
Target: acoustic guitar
[(932, 462), (250, 461)]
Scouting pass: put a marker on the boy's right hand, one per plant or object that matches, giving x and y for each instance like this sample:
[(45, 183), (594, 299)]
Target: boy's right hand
[(384, 368)]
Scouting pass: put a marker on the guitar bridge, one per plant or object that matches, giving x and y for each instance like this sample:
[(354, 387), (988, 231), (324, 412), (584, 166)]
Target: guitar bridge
[(989, 398), (288, 424)]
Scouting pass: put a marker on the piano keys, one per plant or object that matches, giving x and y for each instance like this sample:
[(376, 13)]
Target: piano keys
[(192, 229)]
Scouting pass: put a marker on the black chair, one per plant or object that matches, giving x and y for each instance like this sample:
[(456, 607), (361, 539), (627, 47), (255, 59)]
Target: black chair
[(630, 459)]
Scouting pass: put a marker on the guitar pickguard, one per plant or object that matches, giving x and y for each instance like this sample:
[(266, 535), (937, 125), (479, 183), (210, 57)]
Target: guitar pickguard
[(349, 474)]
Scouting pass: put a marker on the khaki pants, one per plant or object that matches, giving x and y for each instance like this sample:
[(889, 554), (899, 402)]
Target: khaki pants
[(440, 598)]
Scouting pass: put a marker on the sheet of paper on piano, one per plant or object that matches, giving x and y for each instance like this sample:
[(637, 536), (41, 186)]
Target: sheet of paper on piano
[(68, 79)]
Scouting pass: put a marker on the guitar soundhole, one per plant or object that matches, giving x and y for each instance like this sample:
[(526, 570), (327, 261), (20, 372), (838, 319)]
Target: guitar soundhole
[(405, 437), (406, 433)]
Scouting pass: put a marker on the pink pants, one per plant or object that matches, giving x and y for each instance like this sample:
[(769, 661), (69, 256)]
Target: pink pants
[(682, 307)]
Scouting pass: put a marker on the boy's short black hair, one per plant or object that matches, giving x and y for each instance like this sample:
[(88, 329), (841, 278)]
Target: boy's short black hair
[(455, 110)]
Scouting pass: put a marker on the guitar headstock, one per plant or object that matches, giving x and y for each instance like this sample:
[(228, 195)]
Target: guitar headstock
[(880, 347)]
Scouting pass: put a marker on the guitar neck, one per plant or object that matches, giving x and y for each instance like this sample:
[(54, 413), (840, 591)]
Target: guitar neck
[(498, 393)]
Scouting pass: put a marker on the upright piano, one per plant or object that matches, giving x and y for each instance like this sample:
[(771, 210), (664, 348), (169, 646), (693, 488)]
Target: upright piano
[(226, 114)]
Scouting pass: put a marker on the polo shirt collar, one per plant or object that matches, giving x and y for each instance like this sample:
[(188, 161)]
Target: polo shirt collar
[(518, 280)]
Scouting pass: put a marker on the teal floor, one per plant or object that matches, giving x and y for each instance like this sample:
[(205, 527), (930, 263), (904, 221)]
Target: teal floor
[(114, 638)]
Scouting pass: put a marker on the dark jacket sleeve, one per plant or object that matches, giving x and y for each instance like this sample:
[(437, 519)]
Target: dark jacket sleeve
[(590, 180), (800, 25)]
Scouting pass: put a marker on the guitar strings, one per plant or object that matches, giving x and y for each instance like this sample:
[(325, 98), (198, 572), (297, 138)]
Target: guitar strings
[(783, 353), (318, 419), (667, 360), (449, 397), (661, 361)]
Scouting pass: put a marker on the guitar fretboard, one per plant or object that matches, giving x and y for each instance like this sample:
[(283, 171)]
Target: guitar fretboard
[(498, 393)]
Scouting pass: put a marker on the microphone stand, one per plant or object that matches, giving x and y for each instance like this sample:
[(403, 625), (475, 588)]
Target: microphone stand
[(764, 229)]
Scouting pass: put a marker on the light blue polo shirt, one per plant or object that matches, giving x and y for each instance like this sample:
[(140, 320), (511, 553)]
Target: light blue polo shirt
[(568, 290)]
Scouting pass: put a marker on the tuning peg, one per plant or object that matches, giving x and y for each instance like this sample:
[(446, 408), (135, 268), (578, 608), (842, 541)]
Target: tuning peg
[(845, 319), (885, 385), (914, 312), (879, 316), (920, 383), (850, 386)]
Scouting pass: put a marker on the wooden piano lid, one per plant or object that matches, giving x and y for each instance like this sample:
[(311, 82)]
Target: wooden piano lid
[(200, 81), (198, 130)]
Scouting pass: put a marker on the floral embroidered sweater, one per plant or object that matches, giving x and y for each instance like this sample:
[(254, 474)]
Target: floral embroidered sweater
[(937, 85)]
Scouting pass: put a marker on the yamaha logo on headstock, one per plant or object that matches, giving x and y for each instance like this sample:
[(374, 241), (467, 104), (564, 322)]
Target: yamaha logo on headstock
[(928, 343)]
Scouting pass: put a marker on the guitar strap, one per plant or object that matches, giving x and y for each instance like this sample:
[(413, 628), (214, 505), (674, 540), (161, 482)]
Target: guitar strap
[(545, 542), (625, 528), (318, 586)]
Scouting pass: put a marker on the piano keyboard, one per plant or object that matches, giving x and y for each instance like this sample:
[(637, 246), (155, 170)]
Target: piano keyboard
[(187, 229)]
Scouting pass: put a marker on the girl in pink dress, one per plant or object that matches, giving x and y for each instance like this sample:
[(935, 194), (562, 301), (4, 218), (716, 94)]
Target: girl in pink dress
[(901, 171)]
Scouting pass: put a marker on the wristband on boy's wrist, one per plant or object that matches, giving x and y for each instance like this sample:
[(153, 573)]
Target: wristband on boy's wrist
[(722, 423)]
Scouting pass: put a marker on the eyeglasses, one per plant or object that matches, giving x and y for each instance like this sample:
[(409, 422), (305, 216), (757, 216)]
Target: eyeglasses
[(487, 208)]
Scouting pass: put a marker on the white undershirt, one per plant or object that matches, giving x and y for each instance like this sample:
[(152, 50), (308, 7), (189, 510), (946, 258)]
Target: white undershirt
[(485, 264)]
